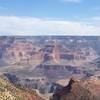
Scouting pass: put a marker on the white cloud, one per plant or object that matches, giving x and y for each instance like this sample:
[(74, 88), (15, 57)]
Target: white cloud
[(72, 1), (12, 25)]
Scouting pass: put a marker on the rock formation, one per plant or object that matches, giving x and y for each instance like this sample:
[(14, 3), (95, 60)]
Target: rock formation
[(8, 91), (79, 90)]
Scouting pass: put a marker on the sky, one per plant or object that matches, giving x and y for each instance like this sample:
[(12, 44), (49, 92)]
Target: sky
[(49, 17)]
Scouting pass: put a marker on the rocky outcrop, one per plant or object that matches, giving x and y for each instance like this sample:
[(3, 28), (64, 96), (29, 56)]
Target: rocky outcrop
[(79, 90), (9, 91)]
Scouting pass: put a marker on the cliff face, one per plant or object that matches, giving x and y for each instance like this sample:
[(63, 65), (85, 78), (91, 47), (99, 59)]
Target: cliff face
[(79, 90), (10, 92), (26, 52)]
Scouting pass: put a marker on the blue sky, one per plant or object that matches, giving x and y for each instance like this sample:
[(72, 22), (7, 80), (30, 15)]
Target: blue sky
[(49, 17)]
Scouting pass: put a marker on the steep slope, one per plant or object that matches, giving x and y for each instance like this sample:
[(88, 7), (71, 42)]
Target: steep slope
[(10, 92), (79, 90), (96, 62)]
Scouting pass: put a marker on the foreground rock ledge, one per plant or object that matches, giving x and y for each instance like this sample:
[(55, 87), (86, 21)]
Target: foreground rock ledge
[(79, 90)]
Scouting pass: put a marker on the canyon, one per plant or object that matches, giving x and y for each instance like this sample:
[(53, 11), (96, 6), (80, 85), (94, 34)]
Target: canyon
[(47, 63)]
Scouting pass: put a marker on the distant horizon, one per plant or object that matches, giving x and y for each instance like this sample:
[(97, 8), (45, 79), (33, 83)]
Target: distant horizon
[(49, 35)]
